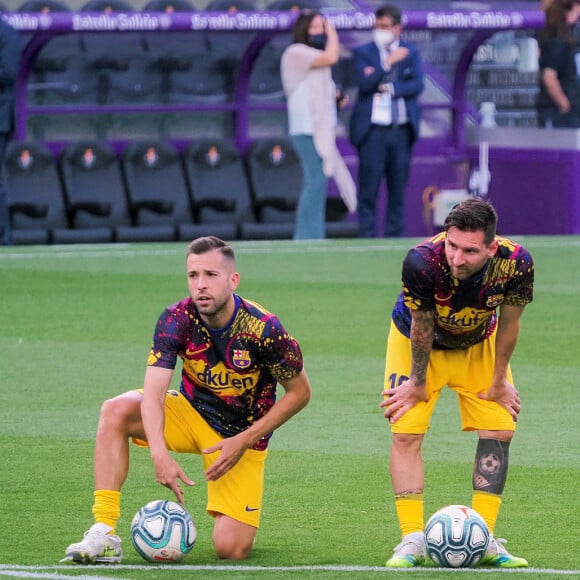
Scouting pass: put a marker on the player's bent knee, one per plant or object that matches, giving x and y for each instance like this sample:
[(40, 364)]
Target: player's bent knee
[(407, 441), (228, 550), (123, 410), (233, 540)]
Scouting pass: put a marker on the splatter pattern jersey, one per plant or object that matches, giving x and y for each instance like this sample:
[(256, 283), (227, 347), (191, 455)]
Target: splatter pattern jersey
[(229, 376), (465, 311)]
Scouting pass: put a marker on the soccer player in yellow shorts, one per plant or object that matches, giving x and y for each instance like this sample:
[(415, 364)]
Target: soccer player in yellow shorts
[(445, 331), (239, 492), (234, 353)]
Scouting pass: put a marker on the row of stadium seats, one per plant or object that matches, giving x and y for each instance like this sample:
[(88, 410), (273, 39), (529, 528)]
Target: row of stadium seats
[(151, 191), (171, 67), (158, 76)]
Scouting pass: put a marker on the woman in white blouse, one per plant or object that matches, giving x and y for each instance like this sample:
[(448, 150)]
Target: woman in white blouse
[(311, 96)]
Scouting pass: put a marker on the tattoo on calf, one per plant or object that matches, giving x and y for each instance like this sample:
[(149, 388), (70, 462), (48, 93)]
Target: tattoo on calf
[(491, 465)]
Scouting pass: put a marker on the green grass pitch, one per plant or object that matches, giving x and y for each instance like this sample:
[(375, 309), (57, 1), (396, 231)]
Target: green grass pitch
[(75, 328)]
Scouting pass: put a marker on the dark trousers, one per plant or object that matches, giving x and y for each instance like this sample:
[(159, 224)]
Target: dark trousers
[(5, 228), (385, 152)]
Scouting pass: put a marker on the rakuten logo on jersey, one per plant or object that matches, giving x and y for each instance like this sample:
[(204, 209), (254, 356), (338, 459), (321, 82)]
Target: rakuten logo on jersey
[(218, 380)]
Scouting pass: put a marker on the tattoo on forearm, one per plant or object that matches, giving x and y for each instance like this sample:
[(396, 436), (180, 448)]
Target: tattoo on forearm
[(422, 330)]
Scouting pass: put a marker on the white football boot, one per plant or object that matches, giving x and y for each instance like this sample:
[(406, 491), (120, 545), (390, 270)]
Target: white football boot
[(96, 547), (410, 552)]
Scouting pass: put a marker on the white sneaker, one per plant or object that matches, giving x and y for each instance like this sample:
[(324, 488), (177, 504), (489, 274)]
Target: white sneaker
[(96, 547), (410, 552)]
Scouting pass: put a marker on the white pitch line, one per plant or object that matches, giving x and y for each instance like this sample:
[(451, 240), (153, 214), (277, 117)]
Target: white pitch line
[(137, 252), (48, 575), (243, 247), (241, 568)]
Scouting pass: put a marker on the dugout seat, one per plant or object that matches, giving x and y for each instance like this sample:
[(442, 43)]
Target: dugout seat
[(275, 177), (202, 80), (218, 186), (157, 190), (141, 82), (55, 54), (228, 48), (95, 192), (103, 55), (43, 6), (190, 71), (174, 50), (293, 5), (34, 193), (205, 81), (74, 84), (169, 6), (265, 81), (93, 202), (231, 6), (77, 84), (59, 72)]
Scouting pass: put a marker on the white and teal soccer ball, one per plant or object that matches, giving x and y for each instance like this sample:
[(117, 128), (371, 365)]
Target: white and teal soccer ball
[(456, 536), (163, 531)]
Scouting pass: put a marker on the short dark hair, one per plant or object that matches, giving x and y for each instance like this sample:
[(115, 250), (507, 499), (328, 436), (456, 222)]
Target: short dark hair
[(473, 215), (301, 26), (389, 10), (207, 244)]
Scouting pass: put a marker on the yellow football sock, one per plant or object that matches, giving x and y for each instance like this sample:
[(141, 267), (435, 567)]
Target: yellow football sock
[(410, 513), (487, 506), (107, 508)]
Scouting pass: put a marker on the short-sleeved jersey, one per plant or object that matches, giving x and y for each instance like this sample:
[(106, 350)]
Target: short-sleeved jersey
[(229, 376), (465, 311)]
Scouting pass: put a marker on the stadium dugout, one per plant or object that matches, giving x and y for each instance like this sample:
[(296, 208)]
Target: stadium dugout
[(473, 53)]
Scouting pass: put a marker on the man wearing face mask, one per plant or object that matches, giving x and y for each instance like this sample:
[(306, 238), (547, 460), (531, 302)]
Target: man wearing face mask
[(305, 69), (384, 124)]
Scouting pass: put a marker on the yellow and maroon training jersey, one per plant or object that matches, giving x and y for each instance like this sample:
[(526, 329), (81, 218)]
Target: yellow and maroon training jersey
[(465, 311), (229, 376)]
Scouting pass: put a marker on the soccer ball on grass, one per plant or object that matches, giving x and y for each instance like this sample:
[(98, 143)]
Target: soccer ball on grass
[(456, 536), (163, 531)]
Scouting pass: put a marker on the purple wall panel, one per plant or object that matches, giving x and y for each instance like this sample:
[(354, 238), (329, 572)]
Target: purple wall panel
[(536, 192)]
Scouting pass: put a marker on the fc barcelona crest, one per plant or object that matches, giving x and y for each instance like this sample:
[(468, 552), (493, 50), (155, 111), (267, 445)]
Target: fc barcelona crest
[(494, 301), (241, 358)]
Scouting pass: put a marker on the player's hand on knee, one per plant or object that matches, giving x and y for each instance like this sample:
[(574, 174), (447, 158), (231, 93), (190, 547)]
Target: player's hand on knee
[(399, 400), (231, 451), (506, 395)]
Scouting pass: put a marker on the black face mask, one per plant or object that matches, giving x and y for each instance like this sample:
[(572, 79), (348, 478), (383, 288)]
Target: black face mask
[(318, 41)]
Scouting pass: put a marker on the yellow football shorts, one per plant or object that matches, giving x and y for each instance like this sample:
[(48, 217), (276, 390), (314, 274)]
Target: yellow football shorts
[(238, 493), (467, 372)]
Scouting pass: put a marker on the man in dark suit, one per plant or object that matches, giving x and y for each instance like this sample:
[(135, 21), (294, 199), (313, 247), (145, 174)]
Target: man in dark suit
[(11, 45), (384, 123)]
